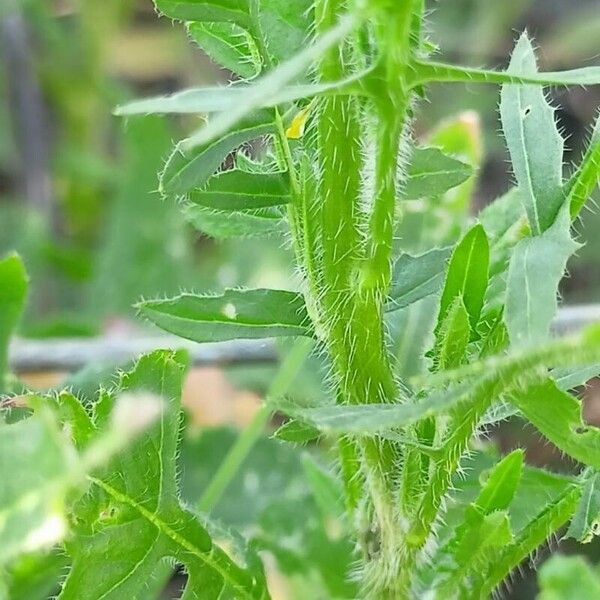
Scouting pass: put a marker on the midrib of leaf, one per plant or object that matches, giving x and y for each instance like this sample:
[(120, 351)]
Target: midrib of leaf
[(174, 536), (426, 174), (523, 142), (245, 323)]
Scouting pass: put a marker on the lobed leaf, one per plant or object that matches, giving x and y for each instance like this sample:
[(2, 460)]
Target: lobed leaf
[(557, 415), (536, 148), (235, 314), (133, 520), (536, 268), (585, 522), (240, 190)]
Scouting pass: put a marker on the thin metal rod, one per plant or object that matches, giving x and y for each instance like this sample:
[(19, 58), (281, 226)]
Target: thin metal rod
[(66, 355)]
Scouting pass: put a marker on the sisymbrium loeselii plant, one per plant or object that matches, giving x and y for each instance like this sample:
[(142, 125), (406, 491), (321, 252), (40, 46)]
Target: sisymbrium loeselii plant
[(433, 325)]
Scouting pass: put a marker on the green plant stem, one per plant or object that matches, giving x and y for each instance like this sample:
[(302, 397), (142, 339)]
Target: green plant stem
[(238, 453)]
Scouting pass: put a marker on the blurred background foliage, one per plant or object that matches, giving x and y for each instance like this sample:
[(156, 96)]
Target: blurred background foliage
[(78, 187), (79, 201)]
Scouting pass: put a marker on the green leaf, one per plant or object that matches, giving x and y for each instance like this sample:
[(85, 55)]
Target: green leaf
[(570, 378), (271, 88), (557, 415), (585, 523), (221, 224), (425, 71), (13, 291), (568, 577), (585, 179), (370, 419), (536, 148), (240, 190), (431, 172), (452, 338), (297, 432), (132, 521), (234, 314), (187, 169), (537, 266), (228, 45), (286, 26), (35, 461), (501, 485), (416, 277), (467, 276), (234, 11)]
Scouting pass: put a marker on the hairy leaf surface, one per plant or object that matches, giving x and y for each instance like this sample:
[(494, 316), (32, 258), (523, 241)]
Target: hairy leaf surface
[(234, 314), (133, 521), (537, 266), (536, 148)]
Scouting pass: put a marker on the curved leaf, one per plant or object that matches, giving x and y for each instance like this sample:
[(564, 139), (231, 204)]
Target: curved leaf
[(240, 190), (189, 169), (536, 148), (536, 268), (221, 224), (132, 521), (467, 275), (235, 314)]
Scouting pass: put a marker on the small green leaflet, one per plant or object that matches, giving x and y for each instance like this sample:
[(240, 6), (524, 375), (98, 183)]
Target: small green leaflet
[(132, 520), (557, 415), (228, 45), (187, 169), (452, 338), (221, 224), (13, 291), (240, 190), (234, 314), (297, 432), (536, 148), (585, 179), (467, 275), (586, 521), (568, 577), (416, 277), (431, 172), (501, 485), (536, 268)]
